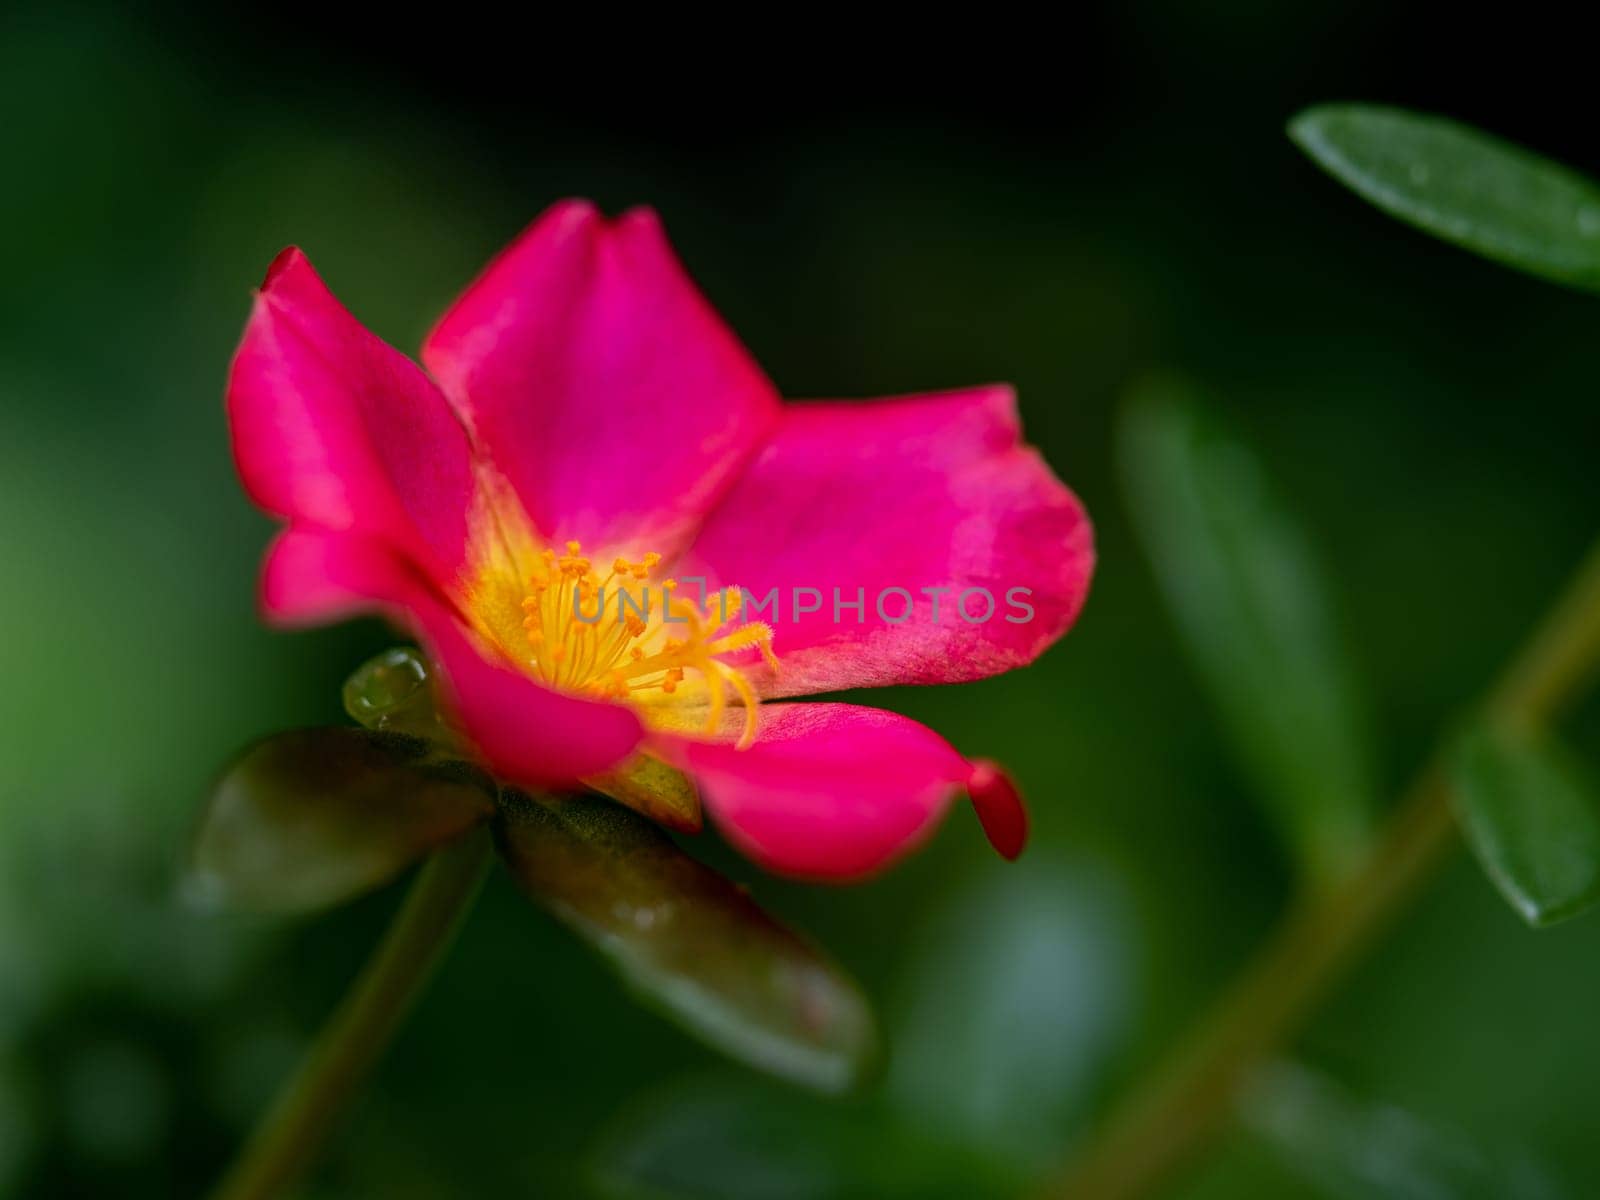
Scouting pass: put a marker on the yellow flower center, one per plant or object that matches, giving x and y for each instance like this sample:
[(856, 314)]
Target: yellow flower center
[(620, 637)]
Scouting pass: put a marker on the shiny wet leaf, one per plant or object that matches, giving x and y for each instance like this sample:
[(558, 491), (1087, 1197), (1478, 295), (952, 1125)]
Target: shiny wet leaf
[(313, 817), (688, 940), (1462, 185), (1531, 814)]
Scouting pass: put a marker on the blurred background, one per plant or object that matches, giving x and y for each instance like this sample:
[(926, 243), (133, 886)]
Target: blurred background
[(1126, 202)]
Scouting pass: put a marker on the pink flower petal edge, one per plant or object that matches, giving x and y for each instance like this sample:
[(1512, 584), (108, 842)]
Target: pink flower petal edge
[(600, 382), (1000, 809), (334, 429), (837, 792), (927, 515)]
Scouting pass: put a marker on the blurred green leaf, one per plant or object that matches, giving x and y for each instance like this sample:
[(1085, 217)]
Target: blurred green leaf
[(1532, 815), (1017, 1000), (737, 1139), (1462, 185), (1254, 609), (690, 941), (309, 818), (1346, 1147), (1018, 996)]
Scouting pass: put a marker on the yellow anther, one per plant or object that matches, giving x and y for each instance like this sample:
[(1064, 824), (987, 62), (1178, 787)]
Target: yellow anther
[(730, 601), (639, 648), (757, 633)]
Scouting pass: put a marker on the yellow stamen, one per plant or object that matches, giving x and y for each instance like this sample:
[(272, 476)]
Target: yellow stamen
[(645, 645)]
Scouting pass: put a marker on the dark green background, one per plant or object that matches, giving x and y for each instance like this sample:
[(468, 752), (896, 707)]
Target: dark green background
[(1065, 222)]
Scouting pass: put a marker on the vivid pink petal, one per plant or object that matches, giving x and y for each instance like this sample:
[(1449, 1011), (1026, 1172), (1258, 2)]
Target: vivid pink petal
[(1000, 808), (527, 733), (334, 429), (828, 791), (312, 577), (927, 492), (601, 383)]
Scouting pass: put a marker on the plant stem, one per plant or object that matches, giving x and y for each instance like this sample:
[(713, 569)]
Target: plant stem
[(289, 1137), (1191, 1099)]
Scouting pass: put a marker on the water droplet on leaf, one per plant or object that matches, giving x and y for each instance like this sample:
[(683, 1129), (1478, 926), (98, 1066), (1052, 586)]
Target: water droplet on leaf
[(393, 692)]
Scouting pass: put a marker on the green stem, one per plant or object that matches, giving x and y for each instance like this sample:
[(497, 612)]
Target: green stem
[(289, 1137), (1191, 1098)]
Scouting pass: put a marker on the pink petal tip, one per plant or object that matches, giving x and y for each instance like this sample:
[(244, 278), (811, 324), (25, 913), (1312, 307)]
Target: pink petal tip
[(1000, 809)]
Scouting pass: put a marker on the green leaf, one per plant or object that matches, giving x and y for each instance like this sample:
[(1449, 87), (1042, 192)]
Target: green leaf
[(688, 940), (309, 818), (737, 1139), (1018, 997), (1017, 1000), (1462, 185), (1254, 609), (1532, 815), (649, 786), (1343, 1145)]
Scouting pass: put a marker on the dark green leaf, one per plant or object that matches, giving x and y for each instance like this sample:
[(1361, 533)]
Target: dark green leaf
[(1532, 815), (1254, 609), (739, 1140), (307, 819), (689, 940), (1462, 185), (1017, 1000), (1344, 1146)]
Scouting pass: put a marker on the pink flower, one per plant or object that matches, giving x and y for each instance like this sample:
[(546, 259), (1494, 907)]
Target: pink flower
[(587, 424)]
